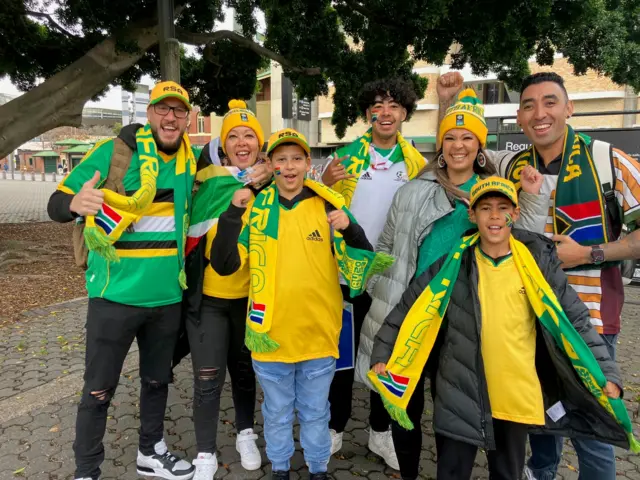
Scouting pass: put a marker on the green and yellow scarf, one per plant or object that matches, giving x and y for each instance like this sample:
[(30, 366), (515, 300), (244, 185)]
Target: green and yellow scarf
[(359, 158), (422, 324), (579, 209), (118, 212), (355, 265)]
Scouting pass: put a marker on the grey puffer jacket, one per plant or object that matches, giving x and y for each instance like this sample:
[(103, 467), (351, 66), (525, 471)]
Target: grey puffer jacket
[(462, 409), (415, 208)]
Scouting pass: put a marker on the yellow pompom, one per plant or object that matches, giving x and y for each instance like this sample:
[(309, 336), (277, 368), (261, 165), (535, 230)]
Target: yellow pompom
[(467, 92), (237, 104)]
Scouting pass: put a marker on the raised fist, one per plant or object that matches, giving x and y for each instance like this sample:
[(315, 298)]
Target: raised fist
[(241, 198)]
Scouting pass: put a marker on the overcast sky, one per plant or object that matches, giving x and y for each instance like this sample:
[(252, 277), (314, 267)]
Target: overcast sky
[(113, 97)]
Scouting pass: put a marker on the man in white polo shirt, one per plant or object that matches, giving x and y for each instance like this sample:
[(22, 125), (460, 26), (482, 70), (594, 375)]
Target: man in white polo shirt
[(368, 172)]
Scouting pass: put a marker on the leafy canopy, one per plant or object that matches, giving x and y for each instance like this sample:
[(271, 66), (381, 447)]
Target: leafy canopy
[(347, 42)]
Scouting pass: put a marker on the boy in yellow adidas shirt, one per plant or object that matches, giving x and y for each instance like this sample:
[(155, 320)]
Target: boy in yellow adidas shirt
[(498, 369), (295, 311)]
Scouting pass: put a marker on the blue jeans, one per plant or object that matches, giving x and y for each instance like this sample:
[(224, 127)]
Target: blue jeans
[(304, 387), (596, 460)]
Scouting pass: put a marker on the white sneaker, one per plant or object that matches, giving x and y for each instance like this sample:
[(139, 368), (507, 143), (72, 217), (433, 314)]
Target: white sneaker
[(164, 464), (381, 444), (250, 458), (206, 466), (528, 474), (336, 441)]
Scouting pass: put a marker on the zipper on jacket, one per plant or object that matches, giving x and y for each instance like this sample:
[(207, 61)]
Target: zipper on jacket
[(475, 296)]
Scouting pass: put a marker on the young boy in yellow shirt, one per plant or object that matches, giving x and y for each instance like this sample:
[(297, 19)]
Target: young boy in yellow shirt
[(497, 324), (295, 310)]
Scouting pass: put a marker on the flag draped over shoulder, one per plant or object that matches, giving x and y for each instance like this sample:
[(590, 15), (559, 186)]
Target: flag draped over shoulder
[(217, 186), (420, 329)]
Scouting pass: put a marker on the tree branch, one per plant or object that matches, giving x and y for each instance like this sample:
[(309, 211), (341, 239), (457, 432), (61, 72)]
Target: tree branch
[(372, 16), (193, 38), (55, 24)]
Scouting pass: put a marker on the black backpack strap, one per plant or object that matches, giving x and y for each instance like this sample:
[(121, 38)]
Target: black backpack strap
[(602, 153)]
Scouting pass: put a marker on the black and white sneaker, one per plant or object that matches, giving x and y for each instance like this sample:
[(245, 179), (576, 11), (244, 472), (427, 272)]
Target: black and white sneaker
[(164, 464)]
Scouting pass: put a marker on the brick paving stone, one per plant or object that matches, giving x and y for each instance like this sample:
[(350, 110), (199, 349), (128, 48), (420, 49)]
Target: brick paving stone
[(24, 201), (41, 440)]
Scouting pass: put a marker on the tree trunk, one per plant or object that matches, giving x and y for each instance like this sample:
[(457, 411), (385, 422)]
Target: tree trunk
[(59, 100)]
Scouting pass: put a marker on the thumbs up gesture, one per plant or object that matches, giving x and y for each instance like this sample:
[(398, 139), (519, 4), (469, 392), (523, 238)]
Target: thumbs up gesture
[(89, 199)]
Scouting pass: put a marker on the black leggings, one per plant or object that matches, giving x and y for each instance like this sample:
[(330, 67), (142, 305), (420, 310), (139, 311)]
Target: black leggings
[(217, 343), (341, 392), (506, 462), (408, 443)]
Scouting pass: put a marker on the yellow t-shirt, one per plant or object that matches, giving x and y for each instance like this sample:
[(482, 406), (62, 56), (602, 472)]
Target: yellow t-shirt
[(231, 286), (307, 314), (508, 343)]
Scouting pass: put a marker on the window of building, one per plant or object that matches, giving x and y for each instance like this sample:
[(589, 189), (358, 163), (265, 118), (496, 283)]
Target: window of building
[(200, 123), (492, 92)]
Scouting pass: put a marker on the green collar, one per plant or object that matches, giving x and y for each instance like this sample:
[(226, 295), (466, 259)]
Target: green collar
[(495, 261)]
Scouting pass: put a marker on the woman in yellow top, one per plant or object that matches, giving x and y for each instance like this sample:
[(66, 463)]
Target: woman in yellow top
[(217, 339)]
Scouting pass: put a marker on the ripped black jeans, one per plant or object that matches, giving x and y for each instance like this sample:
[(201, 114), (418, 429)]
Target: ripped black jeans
[(217, 343), (111, 328)]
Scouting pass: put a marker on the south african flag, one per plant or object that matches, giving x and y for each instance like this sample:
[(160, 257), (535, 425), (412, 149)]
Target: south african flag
[(108, 219), (256, 312), (396, 384), (217, 186)]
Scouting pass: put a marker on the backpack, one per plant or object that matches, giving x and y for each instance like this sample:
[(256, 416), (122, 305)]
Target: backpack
[(120, 161), (602, 153)]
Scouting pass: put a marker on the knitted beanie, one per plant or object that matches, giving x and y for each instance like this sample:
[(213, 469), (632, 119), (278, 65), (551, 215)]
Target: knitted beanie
[(467, 113), (240, 116)]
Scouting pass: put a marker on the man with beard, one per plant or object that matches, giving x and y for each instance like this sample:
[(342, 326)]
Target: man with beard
[(135, 274)]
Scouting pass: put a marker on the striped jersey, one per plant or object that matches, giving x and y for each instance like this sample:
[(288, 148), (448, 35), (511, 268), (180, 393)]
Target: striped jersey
[(601, 290), (147, 273)]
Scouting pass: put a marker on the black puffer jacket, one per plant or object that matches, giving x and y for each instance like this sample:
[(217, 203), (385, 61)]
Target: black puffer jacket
[(462, 409)]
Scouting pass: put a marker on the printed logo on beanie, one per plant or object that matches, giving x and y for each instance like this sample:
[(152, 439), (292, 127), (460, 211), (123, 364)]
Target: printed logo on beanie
[(243, 117), (459, 120)]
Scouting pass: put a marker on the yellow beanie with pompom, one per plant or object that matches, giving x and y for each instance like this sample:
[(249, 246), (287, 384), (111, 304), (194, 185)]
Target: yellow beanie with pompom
[(467, 113), (240, 116)]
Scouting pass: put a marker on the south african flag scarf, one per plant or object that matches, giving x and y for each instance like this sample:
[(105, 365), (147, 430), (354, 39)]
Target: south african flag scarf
[(217, 186), (119, 212), (579, 206), (355, 265), (422, 324), (359, 158)]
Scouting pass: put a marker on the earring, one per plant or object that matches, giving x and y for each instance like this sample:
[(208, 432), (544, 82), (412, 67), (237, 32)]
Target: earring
[(441, 162), (481, 159)]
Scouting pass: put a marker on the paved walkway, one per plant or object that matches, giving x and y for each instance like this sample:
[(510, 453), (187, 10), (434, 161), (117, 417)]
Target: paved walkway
[(24, 201), (41, 360)]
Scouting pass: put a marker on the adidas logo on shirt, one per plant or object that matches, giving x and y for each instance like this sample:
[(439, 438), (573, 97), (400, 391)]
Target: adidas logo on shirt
[(366, 176), (315, 236)]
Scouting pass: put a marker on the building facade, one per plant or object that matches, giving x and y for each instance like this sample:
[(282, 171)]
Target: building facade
[(591, 93)]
